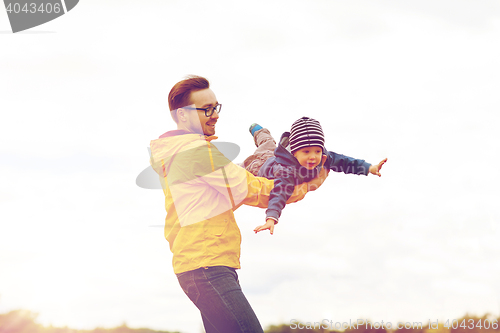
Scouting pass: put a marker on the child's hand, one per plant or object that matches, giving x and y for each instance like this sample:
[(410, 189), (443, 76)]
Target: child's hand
[(375, 169), (269, 225)]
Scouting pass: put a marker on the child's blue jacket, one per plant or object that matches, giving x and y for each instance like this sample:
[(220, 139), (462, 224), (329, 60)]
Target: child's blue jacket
[(287, 172)]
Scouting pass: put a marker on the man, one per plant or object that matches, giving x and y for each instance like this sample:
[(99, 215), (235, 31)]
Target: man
[(202, 189)]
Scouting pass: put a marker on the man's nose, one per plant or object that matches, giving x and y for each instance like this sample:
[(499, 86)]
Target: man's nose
[(214, 115)]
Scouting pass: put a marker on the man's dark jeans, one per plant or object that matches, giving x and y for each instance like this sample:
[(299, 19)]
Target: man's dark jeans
[(216, 292)]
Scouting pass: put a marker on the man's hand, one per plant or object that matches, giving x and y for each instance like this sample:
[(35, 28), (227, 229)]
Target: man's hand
[(269, 225), (375, 169)]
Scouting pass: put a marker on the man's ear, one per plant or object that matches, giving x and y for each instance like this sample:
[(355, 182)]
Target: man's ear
[(181, 114)]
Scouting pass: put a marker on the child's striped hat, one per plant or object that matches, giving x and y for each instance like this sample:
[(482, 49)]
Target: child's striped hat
[(306, 132)]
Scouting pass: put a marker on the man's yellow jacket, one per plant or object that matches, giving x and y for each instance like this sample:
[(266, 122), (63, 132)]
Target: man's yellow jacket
[(202, 189)]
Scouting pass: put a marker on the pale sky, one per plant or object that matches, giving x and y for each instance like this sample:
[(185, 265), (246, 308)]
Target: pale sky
[(415, 81)]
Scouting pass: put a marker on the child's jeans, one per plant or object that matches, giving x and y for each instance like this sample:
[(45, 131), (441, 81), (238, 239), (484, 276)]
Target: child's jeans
[(265, 149)]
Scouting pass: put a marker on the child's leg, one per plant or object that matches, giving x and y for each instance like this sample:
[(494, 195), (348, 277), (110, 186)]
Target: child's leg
[(265, 149), (264, 141)]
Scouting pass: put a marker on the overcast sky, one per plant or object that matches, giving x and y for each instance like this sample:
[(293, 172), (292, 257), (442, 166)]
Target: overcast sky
[(414, 81)]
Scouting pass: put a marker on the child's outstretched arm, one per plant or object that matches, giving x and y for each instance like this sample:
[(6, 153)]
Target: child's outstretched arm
[(350, 165), (375, 169), (269, 225), (280, 196)]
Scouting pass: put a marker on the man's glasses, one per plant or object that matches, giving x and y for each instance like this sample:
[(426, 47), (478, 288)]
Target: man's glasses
[(208, 111)]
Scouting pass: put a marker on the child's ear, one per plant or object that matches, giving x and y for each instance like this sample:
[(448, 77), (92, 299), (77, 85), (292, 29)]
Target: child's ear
[(323, 159)]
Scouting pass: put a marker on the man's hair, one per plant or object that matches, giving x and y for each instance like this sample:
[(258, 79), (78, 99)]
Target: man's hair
[(180, 94)]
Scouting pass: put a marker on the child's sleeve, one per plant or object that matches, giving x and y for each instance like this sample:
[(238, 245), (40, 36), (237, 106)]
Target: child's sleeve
[(283, 189), (346, 164)]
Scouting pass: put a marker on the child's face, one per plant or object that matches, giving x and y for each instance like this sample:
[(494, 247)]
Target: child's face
[(309, 157)]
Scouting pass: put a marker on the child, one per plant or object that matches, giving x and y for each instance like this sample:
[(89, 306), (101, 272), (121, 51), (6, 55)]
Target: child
[(297, 159)]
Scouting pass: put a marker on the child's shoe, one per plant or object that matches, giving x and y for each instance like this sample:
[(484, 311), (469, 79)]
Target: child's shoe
[(254, 128)]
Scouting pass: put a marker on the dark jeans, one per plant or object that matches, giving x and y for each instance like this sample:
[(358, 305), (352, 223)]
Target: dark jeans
[(216, 292)]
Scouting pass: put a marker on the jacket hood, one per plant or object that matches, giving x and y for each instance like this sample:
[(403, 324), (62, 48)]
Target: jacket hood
[(283, 156), (171, 144)]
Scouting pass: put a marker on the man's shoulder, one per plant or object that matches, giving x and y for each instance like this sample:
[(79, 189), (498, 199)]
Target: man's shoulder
[(179, 151)]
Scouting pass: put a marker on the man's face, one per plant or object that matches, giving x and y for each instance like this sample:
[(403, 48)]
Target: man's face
[(198, 122)]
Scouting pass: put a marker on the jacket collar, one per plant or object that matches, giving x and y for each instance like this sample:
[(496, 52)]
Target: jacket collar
[(174, 133), (182, 132)]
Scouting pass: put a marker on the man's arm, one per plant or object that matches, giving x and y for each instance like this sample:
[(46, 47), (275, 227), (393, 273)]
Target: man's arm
[(297, 195), (241, 187)]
